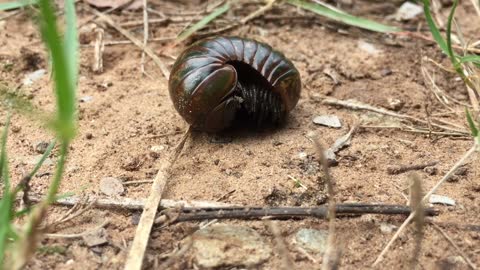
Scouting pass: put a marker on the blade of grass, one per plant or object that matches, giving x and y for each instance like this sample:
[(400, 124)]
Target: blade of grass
[(6, 202), (470, 58), (64, 83), (450, 52), (16, 4), (433, 27), (471, 124), (204, 21), (346, 18), (39, 164), (71, 41)]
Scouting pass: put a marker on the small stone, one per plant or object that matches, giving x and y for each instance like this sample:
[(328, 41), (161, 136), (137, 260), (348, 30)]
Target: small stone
[(111, 186), (387, 228), (368, 47), (302, 155), (156, 151), (456, 260), (229, 245), (89, 136), (312, 240), (439, 199), (16, 129), (386, 72), (131, 164), (462, 171), (277, 143), (86, 99), (395, 104), (408, 11), (34, 76), (328, 120), (216, 161), (430, 170), (135, 218), (41, 147), (96, 238)]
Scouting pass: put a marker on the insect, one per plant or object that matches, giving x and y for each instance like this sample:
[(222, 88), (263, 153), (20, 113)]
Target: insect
[(219, 81)]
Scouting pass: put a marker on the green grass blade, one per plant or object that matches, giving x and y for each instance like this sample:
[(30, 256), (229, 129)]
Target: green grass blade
[(64, 83), (71, 40), (470, 58), (204, 21), (6, 201), (433, 27), (343, 17), (450, 52), (16, 4), (3, 156), (471, 124)]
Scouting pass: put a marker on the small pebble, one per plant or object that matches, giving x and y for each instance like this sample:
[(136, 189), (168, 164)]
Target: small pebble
[(156, 151), (16, 129), (312, 240), (86, 99), (111, 186), (439, 199), (41, 147), (222, 245), (96, 238), (387, 228), (386, 72), (328, 120), (88, 136), (431, 170)]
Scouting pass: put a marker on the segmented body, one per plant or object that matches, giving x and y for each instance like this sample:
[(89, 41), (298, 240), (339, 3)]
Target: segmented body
[(216, 80)]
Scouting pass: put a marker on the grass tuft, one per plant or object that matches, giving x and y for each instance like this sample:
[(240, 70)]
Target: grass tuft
[(343, 17), (204, 21)]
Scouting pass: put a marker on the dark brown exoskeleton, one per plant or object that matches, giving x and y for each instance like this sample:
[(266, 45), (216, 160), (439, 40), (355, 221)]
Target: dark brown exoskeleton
[(219, 80)]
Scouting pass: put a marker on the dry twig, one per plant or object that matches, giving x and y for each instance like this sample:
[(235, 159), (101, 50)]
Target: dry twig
[(329, 260), (98, 53), (77, 235), (251, 212), (145, 35), (355, 105), (417, 207), (142, 234), (135, 41)]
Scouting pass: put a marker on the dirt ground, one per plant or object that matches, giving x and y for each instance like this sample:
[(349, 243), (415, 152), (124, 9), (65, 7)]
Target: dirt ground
[(124, 113)]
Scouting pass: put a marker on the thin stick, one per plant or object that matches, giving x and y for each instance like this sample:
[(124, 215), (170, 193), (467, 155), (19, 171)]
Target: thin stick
[(417, 207), (258, 12), (99, 48), (142, 234), (77, 235), (251, 212), (328, 256), (133, 204), (464, 256), (135, 41), (398, 169), (425, 198), (145, 35), (355, 105)]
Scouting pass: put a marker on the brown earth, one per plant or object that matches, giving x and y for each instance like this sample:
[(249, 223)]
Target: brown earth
[(129, 112)]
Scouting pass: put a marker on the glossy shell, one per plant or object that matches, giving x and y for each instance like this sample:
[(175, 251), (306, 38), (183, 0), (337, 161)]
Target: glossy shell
[(203, 77)]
